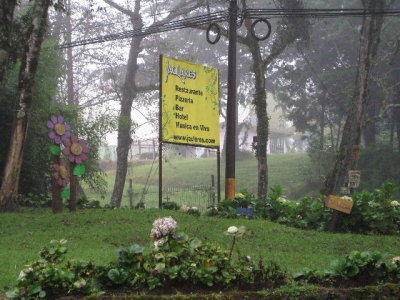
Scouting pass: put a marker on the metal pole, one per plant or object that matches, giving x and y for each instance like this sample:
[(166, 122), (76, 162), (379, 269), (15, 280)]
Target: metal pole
[(160, 183), (230, 180), (218, 175)]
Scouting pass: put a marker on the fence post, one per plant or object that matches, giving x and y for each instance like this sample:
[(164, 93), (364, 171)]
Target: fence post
[(130, 194)]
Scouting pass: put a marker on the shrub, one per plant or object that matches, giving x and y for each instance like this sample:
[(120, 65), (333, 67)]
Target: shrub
[(170, 205), (373, 212), (355, 269), (49, 277), (35, 200), (179, 259)]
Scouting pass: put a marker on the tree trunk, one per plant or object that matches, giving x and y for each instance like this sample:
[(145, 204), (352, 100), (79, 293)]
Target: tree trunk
[(9, 187), (6, 19), (124, 125), (369, 130), (69, 61), (369, 40)]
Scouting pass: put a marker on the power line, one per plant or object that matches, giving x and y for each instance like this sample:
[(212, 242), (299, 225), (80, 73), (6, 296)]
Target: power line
[(222, 16), (179, 24), (318, 13)]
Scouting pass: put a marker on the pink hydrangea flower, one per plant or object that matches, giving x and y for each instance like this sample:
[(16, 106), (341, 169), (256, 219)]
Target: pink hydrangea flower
[(60, 130), (61, 173), (76, 149), (163, 227)]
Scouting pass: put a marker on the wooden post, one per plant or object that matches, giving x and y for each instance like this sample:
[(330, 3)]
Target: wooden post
[(130, 194), (56, 203), (73, 185)]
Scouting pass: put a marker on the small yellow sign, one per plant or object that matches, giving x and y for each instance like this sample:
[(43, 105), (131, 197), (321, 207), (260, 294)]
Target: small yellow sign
[(190, 103), (343, 204)]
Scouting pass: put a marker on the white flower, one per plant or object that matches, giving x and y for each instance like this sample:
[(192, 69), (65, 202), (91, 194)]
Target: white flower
[(194, 208), (347, 198), (23, 273), (163, 227), (21, 276), (394, 203), (282, 200), (232, 230), (160, 242), (396, 260), (80, 283), (184, 208)]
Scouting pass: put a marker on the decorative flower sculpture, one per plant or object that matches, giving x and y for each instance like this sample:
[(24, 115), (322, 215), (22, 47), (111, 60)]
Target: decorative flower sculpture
[(76, 149), (61, 174), (60, 130)]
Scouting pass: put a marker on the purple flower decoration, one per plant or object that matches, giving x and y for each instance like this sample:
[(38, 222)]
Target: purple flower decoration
[(76, 149), (61, 173), (60, 130)]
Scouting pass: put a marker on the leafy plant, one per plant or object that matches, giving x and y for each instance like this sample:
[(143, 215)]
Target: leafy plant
[(35, 200), (49, 277), (170, 205), (356, 268)]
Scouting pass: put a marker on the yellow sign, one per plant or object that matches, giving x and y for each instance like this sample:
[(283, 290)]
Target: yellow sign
[(343, 204), (190, 103)]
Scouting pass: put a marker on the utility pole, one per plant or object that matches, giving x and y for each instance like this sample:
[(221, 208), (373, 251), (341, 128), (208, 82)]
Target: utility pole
[(230, 178)]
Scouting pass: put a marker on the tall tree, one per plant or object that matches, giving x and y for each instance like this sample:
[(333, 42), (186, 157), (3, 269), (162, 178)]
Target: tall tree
[(288, 31), (6, 19), (345, 160), (130, 89), (36, 32)]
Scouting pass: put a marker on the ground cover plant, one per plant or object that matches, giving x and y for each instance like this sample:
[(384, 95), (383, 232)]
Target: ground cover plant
[(95, 234), (177, 261), (375, 212)]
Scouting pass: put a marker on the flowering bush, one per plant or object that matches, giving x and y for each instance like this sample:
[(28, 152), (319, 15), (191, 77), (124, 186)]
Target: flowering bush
[(163, 227)]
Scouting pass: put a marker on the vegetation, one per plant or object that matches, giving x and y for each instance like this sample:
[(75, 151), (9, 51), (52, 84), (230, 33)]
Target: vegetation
[(95, 234)]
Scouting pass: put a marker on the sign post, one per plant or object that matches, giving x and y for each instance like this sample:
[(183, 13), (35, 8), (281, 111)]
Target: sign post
[(189, 106)]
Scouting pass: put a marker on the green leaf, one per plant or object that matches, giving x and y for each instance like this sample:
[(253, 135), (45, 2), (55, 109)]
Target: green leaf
[(137, 249), (15, 293), (42, 294), (55, 150), (79, 170), (195, 243), (160, 267), (66, 192)]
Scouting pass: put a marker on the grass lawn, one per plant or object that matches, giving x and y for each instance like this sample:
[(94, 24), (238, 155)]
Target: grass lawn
[(96, 234), (287, 170)]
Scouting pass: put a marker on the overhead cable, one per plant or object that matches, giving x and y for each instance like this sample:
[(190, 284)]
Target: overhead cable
[(222, 16)]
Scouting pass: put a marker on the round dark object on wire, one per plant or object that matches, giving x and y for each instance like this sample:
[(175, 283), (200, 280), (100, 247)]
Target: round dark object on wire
[(265, 36), (216, 29)]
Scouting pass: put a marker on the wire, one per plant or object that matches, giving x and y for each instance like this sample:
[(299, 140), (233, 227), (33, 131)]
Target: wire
[(183, 23), (317, 13), (222, 16)]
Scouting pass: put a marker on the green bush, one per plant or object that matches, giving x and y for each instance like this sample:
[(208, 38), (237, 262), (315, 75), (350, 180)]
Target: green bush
[(35, 200), (356, 269), (170, 205), (178, 259), (49, 277), (175, 260), (373, 212)]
